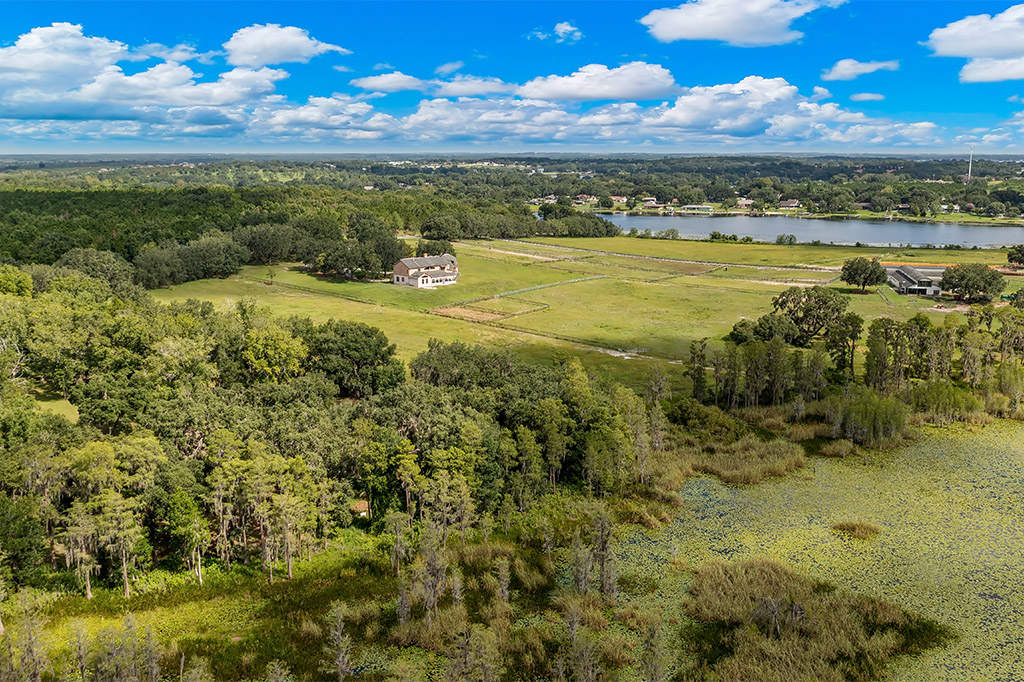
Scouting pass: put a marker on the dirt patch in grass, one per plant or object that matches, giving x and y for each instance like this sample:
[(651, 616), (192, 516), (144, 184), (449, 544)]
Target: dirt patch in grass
[(470, 314)]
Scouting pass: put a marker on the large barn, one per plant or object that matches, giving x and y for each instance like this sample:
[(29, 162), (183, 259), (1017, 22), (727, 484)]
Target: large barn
[(908, 280), (426, 271)]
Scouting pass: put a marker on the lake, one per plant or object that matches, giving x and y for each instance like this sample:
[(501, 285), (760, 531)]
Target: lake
[(872, 232), (951, 547)]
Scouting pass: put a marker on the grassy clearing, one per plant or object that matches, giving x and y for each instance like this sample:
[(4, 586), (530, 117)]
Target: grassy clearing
[(720, 252), (237, 619), (592, 266), (672, 267), (478, 277), (409, 330), (52, 401), (516, 251), (508, 305), (786, 275)]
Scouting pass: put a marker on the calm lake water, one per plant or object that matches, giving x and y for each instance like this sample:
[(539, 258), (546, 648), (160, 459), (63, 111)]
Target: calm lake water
[(951, 546), (873, 232)]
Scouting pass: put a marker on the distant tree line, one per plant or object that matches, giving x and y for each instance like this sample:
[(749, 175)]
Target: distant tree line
[(170, 236)]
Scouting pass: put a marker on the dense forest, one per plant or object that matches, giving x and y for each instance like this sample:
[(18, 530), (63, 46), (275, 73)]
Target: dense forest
[(170, 236)]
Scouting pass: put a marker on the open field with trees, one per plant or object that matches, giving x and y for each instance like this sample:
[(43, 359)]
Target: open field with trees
[(232, 453), (642, 306)]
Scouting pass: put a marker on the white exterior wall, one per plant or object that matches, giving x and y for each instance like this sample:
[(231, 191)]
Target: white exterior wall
[(442, 278)]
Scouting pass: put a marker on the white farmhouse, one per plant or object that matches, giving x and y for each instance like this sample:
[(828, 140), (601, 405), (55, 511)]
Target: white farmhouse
[(427, 271)]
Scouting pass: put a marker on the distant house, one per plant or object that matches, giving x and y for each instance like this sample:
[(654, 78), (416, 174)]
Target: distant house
[(790, 203), (427, 271), (908, 280), (744, 202), (619, 199)]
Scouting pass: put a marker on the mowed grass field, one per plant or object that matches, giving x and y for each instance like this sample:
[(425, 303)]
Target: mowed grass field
[(771, 254), (409, 329), (620, 314)]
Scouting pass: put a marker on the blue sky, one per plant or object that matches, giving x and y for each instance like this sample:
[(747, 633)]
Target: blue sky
[(702, 76)]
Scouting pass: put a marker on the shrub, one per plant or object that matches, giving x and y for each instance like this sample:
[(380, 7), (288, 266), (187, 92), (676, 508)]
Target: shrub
[(809, 630), (705, 422), (801, 432), (862, 530), (866, 417), (943, 402), (838, 448), (750, 459)]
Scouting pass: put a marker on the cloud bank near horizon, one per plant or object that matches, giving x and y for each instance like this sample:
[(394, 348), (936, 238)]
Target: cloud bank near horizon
[(59, 83)]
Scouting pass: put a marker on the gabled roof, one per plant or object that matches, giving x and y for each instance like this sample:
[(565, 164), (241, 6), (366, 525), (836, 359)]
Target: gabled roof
[(429, 261), (911, 276)]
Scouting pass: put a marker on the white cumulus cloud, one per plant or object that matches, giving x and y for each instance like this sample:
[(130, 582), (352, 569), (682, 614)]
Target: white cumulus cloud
[(635, 80), (743, 23), (58, 55), (992, 44), (263, 44), (742, 108), (395, 81), (462, 86), (565, 32), (848, 69), (867, 97)]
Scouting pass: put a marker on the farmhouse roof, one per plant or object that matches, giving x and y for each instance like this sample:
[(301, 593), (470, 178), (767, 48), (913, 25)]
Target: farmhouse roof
[(429, 261)]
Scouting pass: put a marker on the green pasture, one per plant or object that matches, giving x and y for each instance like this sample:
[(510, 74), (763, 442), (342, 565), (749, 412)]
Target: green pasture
[(782, 275), (639, 307), (409, 330), (478, 276), (771, 254), (658, 318), (507, 305)]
